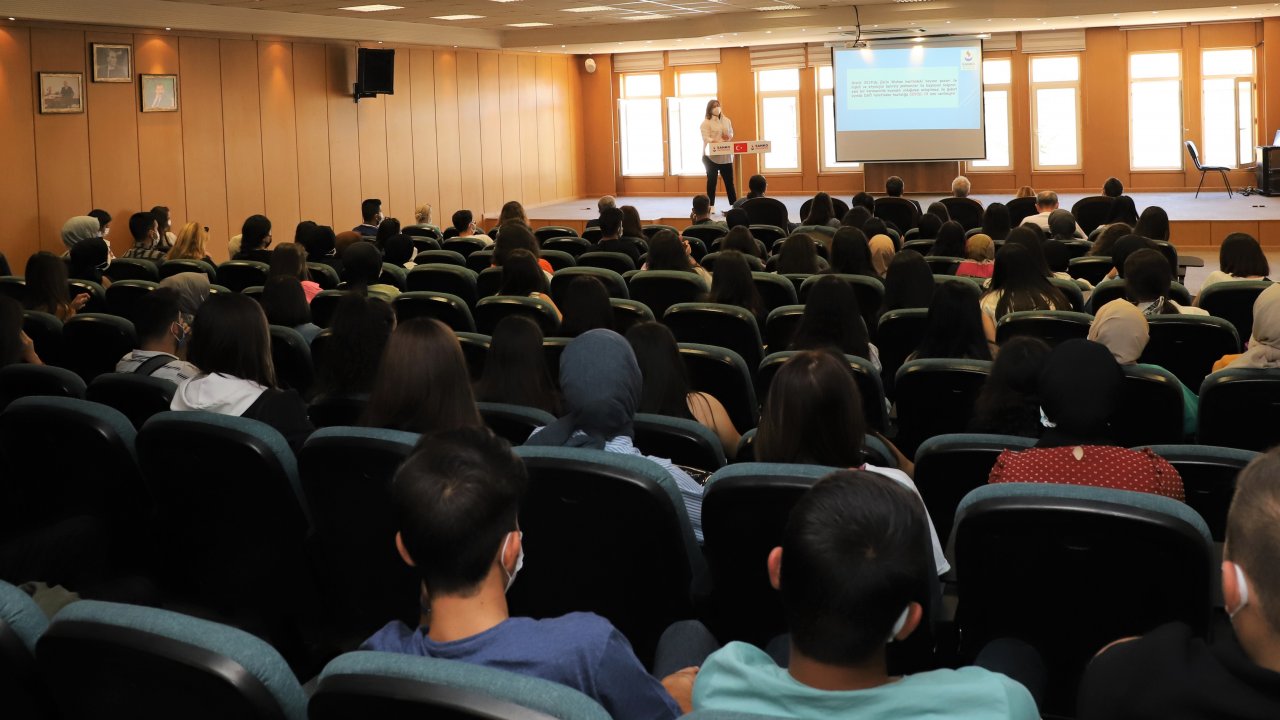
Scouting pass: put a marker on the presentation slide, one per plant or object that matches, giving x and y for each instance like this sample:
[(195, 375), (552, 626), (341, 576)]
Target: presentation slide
[(910, 101)]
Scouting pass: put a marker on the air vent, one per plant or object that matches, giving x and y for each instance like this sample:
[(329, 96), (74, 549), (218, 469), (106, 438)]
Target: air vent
[(879, 31)]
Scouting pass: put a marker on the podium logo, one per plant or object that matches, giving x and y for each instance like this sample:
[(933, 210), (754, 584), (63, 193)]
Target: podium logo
[(740, 147)]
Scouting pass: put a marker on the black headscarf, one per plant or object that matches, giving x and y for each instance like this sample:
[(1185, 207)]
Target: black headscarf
[(1079, 392), (601, 383)]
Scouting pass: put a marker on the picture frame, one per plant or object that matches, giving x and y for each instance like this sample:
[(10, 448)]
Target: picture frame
[(60, 92), (158, 93), (111, 63)]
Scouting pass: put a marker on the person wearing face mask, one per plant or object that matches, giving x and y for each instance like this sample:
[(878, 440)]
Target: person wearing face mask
[(146, 238), (371, 214), (162, 334), (456, 501), (717, 128), (1235, 673)]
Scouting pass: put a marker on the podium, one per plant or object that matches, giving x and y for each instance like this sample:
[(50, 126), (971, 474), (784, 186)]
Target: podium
[(739, 147), (1268, 157)]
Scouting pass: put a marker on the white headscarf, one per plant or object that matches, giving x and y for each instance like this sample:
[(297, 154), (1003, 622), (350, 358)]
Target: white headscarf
[(1264, 346), (81, 227)]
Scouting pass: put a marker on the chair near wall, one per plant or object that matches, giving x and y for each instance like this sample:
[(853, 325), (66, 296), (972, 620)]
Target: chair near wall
[(1194, 152)]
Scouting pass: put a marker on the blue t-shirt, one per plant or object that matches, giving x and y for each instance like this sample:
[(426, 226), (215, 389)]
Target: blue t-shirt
[(741, 678), (580, 650)]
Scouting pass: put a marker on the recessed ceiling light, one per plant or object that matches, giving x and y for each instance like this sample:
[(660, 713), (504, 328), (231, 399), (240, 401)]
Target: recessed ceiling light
[(372, 8), (457, 17), (589, 8), (504, 1), (168, 28), (782, 6), (648, 16), (529, 24)]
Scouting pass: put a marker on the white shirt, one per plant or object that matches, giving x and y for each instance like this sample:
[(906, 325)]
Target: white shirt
[(175, 371), (717, 129)]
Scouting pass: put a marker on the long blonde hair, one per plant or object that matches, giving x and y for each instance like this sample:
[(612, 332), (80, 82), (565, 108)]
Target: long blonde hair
[(190, 244)]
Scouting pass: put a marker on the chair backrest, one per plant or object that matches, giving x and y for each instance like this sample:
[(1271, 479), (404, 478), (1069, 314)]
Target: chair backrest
[(1194, 152), (660, 289), (398, 687), (776, 291), (291, 356), (237, 275), (547, 232), (513, 423), (440, 257), (423, 232), (345, 474), (900, 334), (682, 441), (1149, 411), (900, 211), (936, 397), (1189, 345), (1071, 568), (337, 409), (169, 268), (1020, 209), (709, 261), (488, 282), (124, 294), (629, 312), (615, 261), (21, 625), (864, 374), (726, 326), (942, 265), (781, 325), (394, 275), (725, 376), (1209, 478), (1240, 408), (592, 234), (13, 286), (1093, 268), (137, 397), (1233, 302), (132, 269), (109, 660), (643, 560), (45, 331), (93, 343), (948, 467), (491, 310), (575, 246), (767, 234), (612, 281), (464, 246), (868, 290), (966, 211), (766, 211), (479, 260), (558, 259), (653, 229), (450, 279), (706, 233), (475, 348), (18, 381), (1051, 326), (97, 295), (1092, 211), (324, 275), (448, 309), (1070, 289)]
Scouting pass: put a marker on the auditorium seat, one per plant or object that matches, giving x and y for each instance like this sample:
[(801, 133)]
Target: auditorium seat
[(710, 259), (558, 259), (775, 290), (575, 246), (513, 423), (97, 295), (1051, 326), (780, 327), (491, 310), (441, 257), (432, 233), (724, 375), (253, 291), (745, 507), (707, 233), (864, 373), (337, 409), (975, 282), (948, 467), (875, 451), (1150, 408), (1233, 302), (93, 343), (627, 313), (488, 282), (1092, 211), (1069, 569), (1171, 254), (20, 380), (966, 211), (345, 475), (1189, 345), (132, 269), (1114, 289), (901, 212), (936, 397), (726, 326), (137, 397), (169, 268), (475, 347), (642, 562), (45, 331), (547, 232), (1093, 268), (900, 334), (236, 275), (766, 211), (360, 685), (1020, 209), (22, 622), (868, 290), (1209, 478), (592, 234), (464, 246), (479, 260), (942, 265), (291, 356), (13, 286), (682, 441), (660, 289), (324, 305), (797, 279), (615, 261), (448, 309), (921, 246), (104, 659), (323, 275), (767, 233), (653, 229), (1070, 289), (612, 281), (1240, 408), (838, 206), (449, 279)]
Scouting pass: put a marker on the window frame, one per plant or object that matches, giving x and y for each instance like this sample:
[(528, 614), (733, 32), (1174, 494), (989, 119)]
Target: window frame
[(1076, 87), (1180, 78), (1007, 87), (1236, 79), (622, 143), (822, 94), (671, 146), (761, 96)]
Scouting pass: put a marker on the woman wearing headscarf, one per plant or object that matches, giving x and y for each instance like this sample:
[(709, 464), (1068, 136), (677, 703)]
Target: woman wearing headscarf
[(980, 257), (602, 384), (882, 253), (81, 227), (1075, 448), (1264, 347), (1123, 329), (193, 290)]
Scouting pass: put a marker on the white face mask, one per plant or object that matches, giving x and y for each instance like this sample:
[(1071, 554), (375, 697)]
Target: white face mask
[(511, 576), (106, 232), (715, 111), (901, 623), (1244, 592)]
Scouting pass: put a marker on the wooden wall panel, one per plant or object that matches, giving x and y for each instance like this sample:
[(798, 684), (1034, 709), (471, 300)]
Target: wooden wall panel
[(469, 150), (19, 226), (560, 121), (113, 143), (279, 138), (344, 141), (204, 164), (600, 166), (242, 128), (311, 126), (426, 172), (509, 98), (530, 186), (543, 75), (62, 141), (491, 157), (448, 156), (1105, 103), (160, 156), (401, 194), (372, 123)]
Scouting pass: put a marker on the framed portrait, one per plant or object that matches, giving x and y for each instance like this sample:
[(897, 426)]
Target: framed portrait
[(61, 92), (112, 63), (159, 93)]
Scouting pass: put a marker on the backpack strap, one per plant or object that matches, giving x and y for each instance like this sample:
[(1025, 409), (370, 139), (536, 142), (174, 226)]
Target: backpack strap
[(153, 364)]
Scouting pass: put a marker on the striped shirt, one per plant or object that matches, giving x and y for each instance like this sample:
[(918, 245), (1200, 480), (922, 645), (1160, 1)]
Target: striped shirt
[(175, 371)]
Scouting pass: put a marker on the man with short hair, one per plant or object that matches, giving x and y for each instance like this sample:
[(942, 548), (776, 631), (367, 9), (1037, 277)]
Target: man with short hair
[(456, 499), (701, 214), (604, 203), (853, 575), (146, 238), (756, 187), (1113, 188), (371, 211), (961, 186), (1171, 673), (894, 187), (1046, 203), (465, 227), (611, 239), (162, 332)]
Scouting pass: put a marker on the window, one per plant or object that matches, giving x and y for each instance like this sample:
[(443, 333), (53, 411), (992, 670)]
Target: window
[(1228, 107), (997, 75), (640, 122), (1055, 112), (685, 114), (828, 115), (1155, 111), (778, 92)]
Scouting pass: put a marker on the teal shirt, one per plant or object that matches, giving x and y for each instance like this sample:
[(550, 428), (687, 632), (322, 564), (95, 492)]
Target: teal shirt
[(1190, 403), (741, 678)]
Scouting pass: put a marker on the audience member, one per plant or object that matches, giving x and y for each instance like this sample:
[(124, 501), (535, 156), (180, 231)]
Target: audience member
[(1113, 188), (1239, 258), (521, 277), (877, 226), (701, 214), (939, 211), (1076, 447), (255, 238), (908, 283), (1025, 191), (631, 225), (850, 253), (290, 259), (954, 329), (302, 229), (233, 245), (1018, 282), (1123, 329), (1263, 350), (82, 227), (586, 307), (611, 237), (457, 503), (399, 251), (371, 217), (737, 217), (464, 226), (1125, 247), (607, 202), (960, 187), (733, 284), (164, 223), (191, 244), (741, 239), (894, 187), (996, 222), (1009, 403), (360, 329), (422, 385), (666, 388), (856, 217), (1147, 282), (231, 344), (192, 289), (423, 217), (146, 238), (15, 346), (668, 251), (756, 187), (512, 211), (515, 367), (833, 321), (950, 241), (1062, 225), (1057, 257), (284, 300), (88, 259), (980, 257), (387, 229), (162, 339), (1108, 238), (1153, 224), (514, 236), (1046, 203), (821, 212), (104, 222), (882, 253), (928, 226), (362, 270), (1030, 238), (799, 256), (1122, 211), (322, 247), (865, 200), (47, 287)]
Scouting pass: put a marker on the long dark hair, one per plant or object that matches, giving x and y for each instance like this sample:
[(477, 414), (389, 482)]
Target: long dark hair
[(667, 252), (821, 210), (10, 330), (1022, 283), (954, 329), (799, 256), (950, 240), (387, 229), (908, 283), (513, 236), (1123, 210), (631, 226), (813, 414), (832, 320), (289, 259), (927, 227), (360, 328), (741, 239), (1033, 240), (1009, 403), (666, 382), (422, 384), (47, 288), (284, 302), (230, 336), (86, 259), (1153, 224), (1241, 256), (521, 275), (1148, 278), (733, 284), (937, 208), (850, 253), (515, 368), (585, 304), (996, 221), (1108, 238)]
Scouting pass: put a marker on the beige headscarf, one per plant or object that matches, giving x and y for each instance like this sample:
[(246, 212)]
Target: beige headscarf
[(881, 253), (1123, 329), (1264, 346)]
